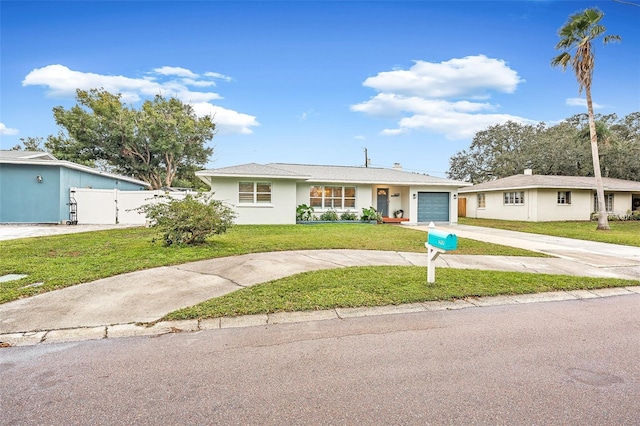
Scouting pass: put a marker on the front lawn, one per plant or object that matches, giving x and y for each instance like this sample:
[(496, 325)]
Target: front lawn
[(64, 260), (381, 285), (622, 232)]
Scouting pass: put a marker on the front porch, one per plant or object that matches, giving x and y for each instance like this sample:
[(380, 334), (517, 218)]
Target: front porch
[(394, 219)]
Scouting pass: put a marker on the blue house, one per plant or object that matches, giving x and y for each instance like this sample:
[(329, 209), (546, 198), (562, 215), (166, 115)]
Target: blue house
[(35, 186)]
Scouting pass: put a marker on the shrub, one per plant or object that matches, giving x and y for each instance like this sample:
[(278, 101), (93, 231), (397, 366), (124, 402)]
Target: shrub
[(370, 214), (329, 215), (304, 212), (188, 221), (348, 215)]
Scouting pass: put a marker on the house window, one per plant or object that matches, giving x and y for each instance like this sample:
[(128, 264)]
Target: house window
[(254, 192), (332, 197), (608, 202), (515, 197), (482, 201), (564, 197)]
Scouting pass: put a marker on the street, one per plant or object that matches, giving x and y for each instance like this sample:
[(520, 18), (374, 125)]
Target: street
[(569, 362)]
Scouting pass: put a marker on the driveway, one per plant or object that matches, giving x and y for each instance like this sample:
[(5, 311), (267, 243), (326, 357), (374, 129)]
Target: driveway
[(15, 231)]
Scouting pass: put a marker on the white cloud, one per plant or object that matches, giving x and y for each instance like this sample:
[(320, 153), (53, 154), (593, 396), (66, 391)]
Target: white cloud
[(61, 81), (218, 76), (468, 77), (4, 130), (227, 121), (580, 102), (178, 71), (306, 114), (360, 137), (442, 97)]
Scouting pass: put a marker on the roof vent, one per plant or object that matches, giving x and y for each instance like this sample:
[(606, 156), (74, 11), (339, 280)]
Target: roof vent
[(528, 172), (397, 166)]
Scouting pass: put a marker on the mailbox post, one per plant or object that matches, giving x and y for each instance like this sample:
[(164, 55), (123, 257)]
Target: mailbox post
[(437, 242)]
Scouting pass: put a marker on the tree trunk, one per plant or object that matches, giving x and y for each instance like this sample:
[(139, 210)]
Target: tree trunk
[(603, 221)]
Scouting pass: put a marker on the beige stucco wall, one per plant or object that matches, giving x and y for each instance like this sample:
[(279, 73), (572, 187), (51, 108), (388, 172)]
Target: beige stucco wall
[(496, 209), (281, 210), (549, 209), (541, 205)]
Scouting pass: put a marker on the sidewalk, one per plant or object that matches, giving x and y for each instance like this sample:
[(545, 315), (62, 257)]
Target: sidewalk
[(111, 307)]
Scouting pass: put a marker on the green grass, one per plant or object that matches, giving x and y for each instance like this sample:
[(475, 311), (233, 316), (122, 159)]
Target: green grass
[(381, 285), (622, 232), (64, 260)]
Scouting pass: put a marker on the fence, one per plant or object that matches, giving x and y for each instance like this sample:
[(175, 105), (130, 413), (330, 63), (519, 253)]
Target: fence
[(112, 206)]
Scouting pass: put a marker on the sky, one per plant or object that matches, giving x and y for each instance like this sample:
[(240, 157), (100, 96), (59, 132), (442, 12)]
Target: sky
[(315, 82)]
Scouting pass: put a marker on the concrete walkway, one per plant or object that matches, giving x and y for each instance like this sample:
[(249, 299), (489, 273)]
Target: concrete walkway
[(111, 307)]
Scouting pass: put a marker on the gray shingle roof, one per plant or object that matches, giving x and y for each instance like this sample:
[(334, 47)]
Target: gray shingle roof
[(26, 155), (337, 174), (555, 182)]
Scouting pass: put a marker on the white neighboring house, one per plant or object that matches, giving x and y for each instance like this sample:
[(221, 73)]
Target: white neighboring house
[(270, 193), (541, 198)]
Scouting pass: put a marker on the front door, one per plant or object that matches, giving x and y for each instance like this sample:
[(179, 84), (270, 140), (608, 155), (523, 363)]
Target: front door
[(383, 201)]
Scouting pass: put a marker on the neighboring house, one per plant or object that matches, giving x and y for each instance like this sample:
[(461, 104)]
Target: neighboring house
[(35, 186), (540, 198), (270, 193)]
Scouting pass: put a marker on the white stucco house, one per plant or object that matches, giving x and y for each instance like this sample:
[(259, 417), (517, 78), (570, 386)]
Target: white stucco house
[(270, 193), (540, 198)]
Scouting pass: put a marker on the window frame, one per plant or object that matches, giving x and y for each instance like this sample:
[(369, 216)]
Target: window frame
[(609, 198), (257, 195), (336, 197), (482, 200), (513, 198), (564, 198)]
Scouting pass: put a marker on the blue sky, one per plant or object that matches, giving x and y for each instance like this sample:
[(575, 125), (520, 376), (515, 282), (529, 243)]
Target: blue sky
[(315, 82)]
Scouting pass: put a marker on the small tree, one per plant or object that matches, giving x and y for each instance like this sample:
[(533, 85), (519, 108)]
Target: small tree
[(188, 221)]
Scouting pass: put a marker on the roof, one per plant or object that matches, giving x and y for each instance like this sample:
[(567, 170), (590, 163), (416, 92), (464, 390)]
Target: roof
[(26, 155), (556, 182), (329, 174), (46, 159)]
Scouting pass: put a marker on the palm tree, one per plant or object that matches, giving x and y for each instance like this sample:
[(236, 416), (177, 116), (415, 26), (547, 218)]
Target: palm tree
[(577, 34)]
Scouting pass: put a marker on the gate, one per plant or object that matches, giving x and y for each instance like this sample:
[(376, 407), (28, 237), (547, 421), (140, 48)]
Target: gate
[(462, 207)]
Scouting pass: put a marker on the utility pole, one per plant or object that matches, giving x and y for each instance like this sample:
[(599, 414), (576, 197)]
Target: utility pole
[(366, 158)]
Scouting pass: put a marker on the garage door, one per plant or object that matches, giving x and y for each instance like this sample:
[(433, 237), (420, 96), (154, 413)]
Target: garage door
[(433, 207)]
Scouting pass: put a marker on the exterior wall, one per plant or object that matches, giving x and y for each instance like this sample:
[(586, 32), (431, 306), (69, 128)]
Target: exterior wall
[(549, 210), (399, 202), (281, 210), (622, 202), (472, 205), (496, 209), (541, 205), (24, 200)]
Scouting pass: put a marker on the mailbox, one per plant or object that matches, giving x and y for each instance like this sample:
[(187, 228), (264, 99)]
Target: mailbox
[(442, 240)]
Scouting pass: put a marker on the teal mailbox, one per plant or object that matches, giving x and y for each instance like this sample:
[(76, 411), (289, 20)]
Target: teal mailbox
[(442, 240)]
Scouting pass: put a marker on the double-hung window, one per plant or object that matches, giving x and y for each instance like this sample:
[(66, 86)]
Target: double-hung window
[(254, 192), (332, 197), (514, 197), (482, 201), (564, 197), (608, 202)]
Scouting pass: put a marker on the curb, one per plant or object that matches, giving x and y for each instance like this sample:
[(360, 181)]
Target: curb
[(114, 331)]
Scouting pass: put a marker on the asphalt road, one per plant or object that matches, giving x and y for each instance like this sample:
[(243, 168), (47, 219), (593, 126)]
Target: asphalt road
[(570, 362)]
